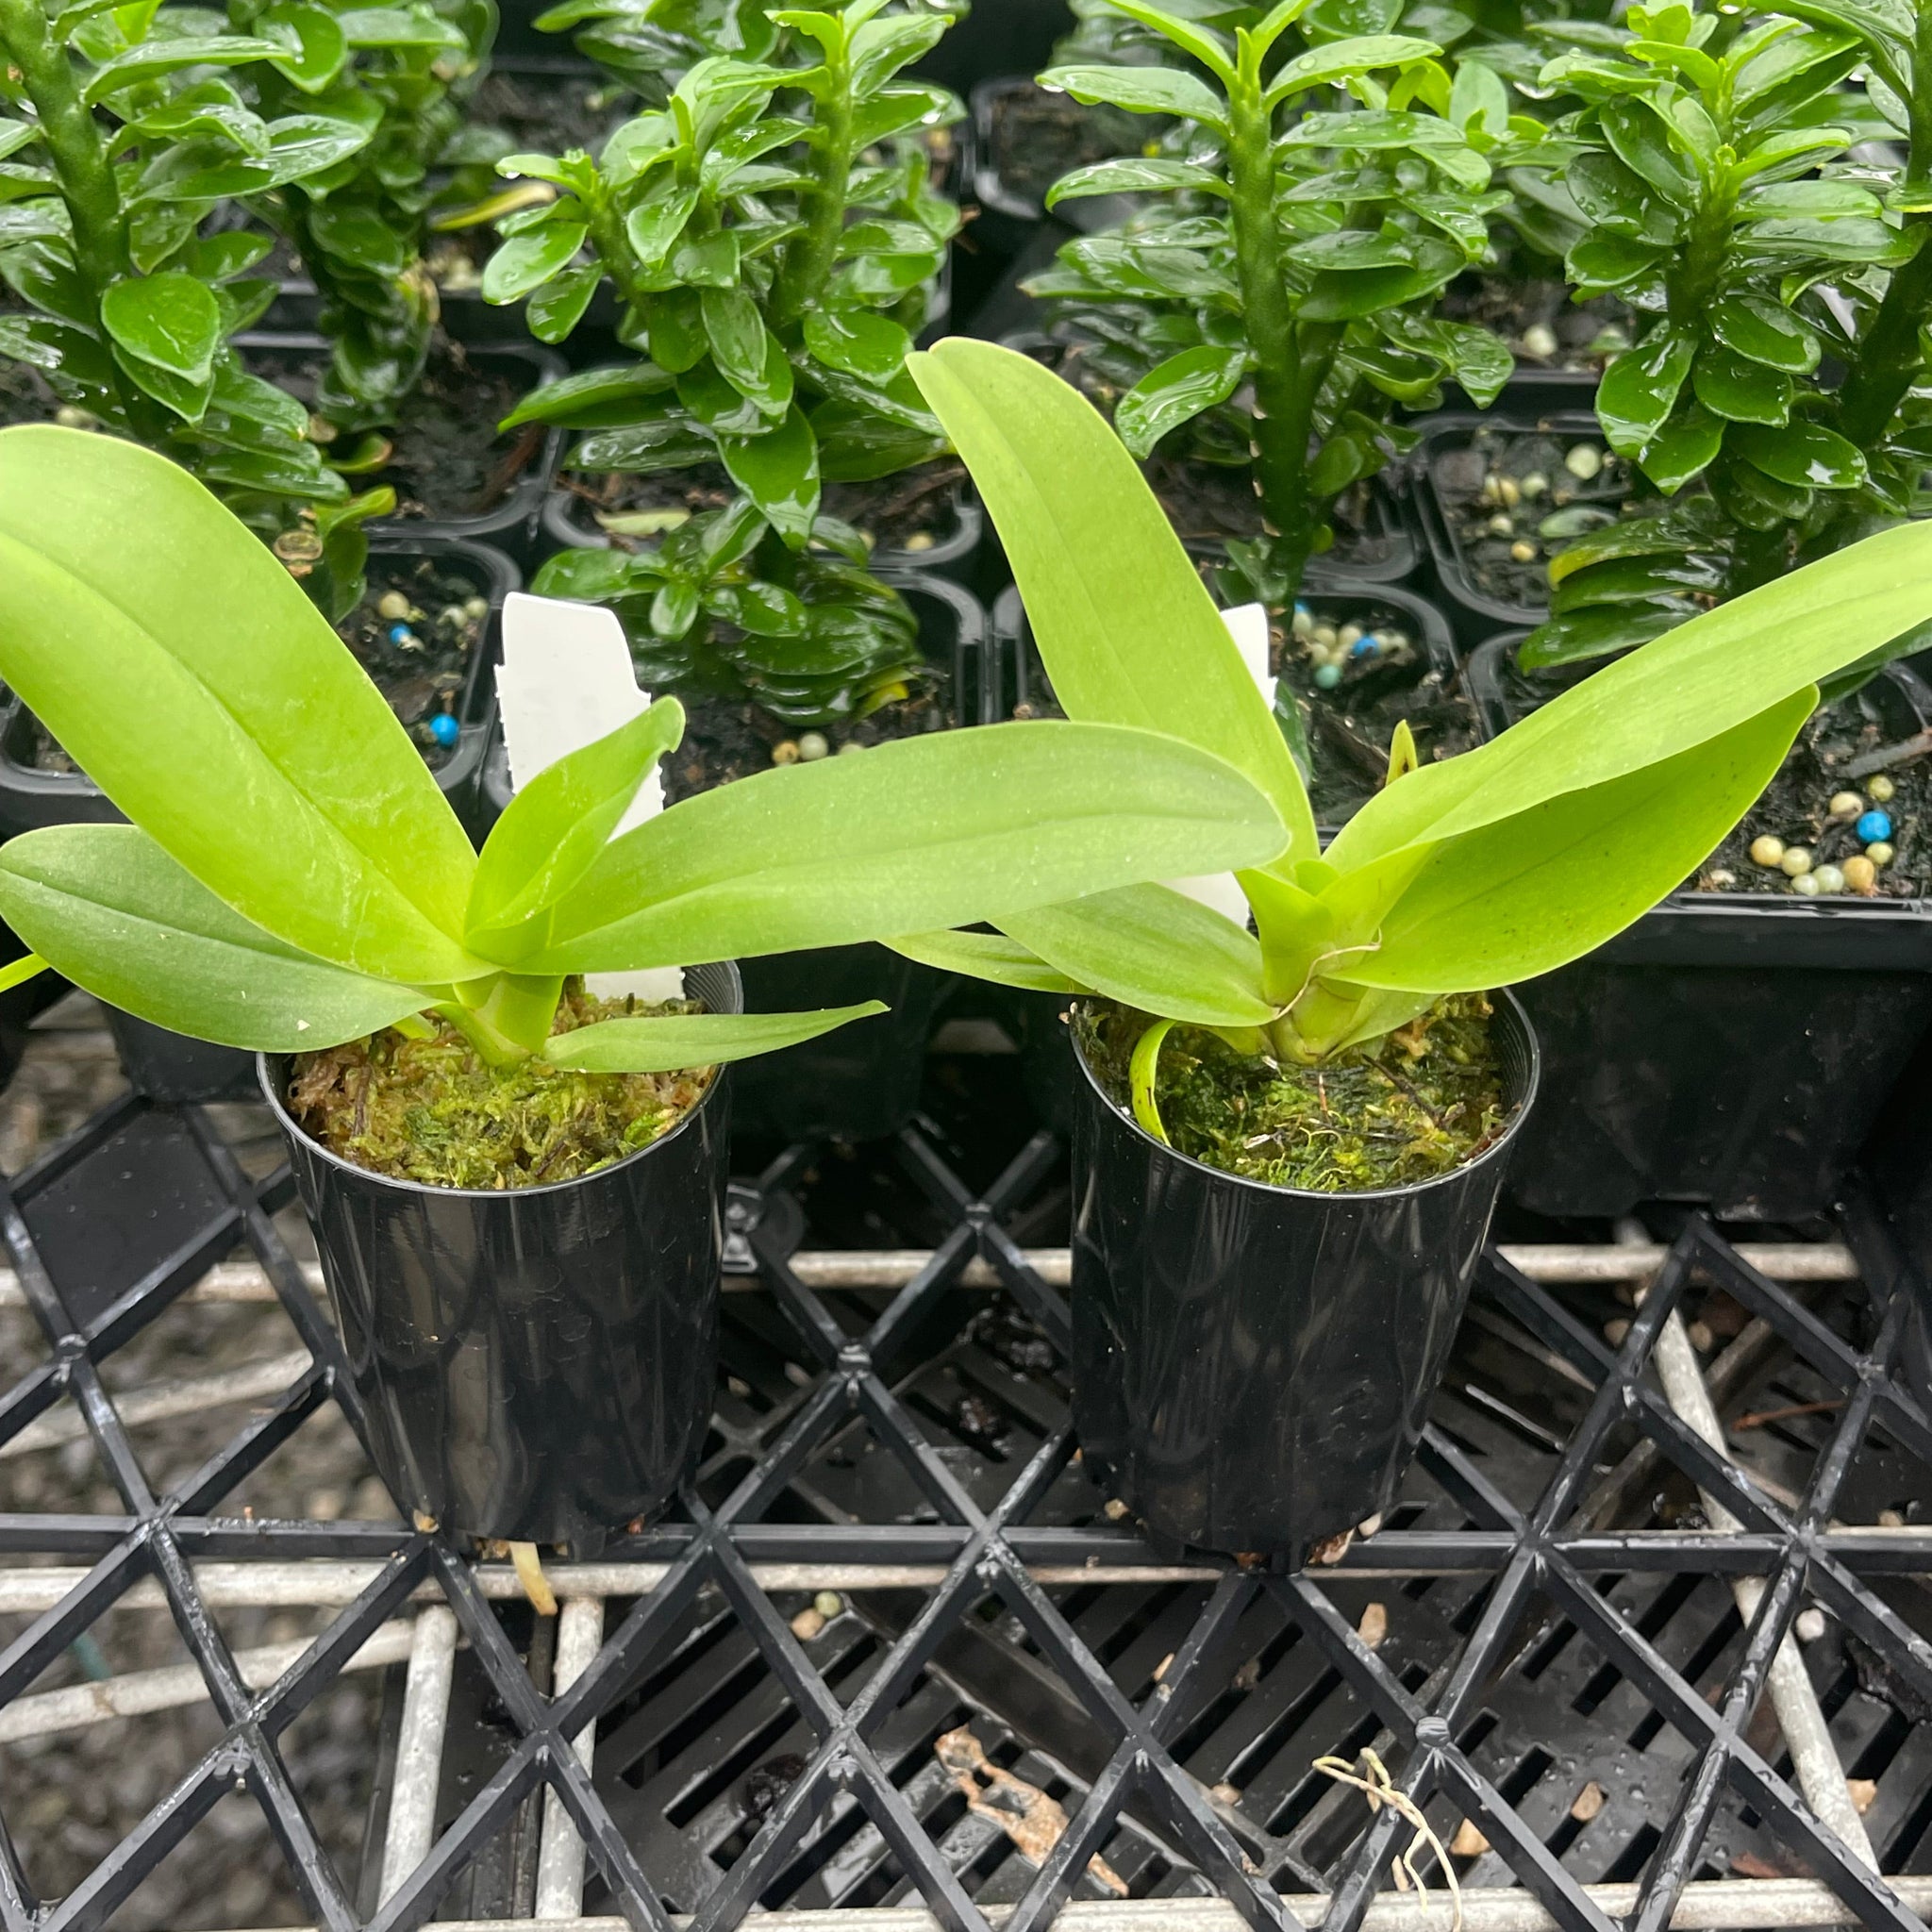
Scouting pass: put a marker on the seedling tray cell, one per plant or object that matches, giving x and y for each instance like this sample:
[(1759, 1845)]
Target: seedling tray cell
[(894, 1650)]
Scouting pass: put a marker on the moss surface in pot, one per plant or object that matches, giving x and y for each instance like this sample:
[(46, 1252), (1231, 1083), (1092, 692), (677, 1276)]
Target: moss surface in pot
[(1459, 876), (292, 879)]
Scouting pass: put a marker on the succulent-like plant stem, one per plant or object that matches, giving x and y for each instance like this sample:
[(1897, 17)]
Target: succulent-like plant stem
[(74, 142), (811, 255), (1292, 357)]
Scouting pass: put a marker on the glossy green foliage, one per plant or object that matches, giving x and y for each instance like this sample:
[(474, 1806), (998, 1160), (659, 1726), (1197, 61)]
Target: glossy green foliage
[(1719, 194), (1459, 875), (1275, 305), (773, 239), (403, 75), (293, 877), (121, 131)]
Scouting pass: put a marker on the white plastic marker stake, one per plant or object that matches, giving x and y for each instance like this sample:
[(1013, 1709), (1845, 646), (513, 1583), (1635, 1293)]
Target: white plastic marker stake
[(1248, 627), (566, 681)]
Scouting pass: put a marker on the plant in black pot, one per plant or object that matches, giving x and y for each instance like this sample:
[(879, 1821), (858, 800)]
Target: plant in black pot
[(401, 75), (1765, 407), (1291, 1138), (514, 1179), (1271, 319), (126, 130)]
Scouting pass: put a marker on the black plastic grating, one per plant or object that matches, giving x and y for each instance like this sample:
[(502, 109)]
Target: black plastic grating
[(1174, 1718)]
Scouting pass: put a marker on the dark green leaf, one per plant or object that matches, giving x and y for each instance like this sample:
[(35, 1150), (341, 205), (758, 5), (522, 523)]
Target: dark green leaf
[(1739, 390), (526, 261), (1175, 391), (169, 320), (1640, 388), (871, 347), (779, 472), (1766, 331), (1806, 456)]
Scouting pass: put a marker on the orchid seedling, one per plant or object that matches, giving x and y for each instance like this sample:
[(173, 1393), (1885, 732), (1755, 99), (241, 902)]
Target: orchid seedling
[(1459, 876), (292, 878)]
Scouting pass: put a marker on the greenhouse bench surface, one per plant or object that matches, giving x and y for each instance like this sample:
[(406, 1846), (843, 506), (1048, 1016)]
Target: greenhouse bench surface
[(896, 1659)]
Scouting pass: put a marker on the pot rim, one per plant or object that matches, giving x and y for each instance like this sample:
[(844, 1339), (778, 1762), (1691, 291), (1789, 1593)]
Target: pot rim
[(1499, 1148), (291, 1127)]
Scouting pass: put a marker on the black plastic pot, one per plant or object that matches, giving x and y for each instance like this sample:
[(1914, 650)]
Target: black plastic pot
[(860, 1083), (1733, 1050), (570, 523), (1474, 613), (535, 1364), (514, 525), (1252, 1366), (169, 1066)]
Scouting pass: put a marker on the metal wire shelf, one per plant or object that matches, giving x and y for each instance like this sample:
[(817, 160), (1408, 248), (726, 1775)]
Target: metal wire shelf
[(978, 1577)]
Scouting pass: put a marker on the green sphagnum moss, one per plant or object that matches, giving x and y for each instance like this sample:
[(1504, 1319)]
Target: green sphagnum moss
[(430, 1110), (1421, 1103)]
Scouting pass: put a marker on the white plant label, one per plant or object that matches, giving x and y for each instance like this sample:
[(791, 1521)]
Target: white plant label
[(566, 681), (1248, 625)]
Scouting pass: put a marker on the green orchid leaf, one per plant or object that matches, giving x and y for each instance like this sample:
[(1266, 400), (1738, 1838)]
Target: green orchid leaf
[(1685, 688), (672, 1041), (1534, 891), (923, 833), (1151, 947), (1127, 632), (106, 908), (553, 830), (242, 734), (988, 956)]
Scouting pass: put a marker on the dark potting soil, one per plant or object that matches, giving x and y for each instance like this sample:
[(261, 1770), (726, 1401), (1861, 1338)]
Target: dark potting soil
[(1039, 136), (913, 512), (422, 680), (726, 741), (1796, 806), (1512, 500), (450, 461), (24, 396), (1584, 338), (1420, 1103), (1349, 724), (430, 1111), (1796, 811), (425, 676)]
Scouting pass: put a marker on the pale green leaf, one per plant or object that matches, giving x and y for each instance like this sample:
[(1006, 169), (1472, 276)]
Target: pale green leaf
[(988, 956), (185, 671), (1124, 625), (672, 1041), (936, 831), (104, 906), (1151, 947)]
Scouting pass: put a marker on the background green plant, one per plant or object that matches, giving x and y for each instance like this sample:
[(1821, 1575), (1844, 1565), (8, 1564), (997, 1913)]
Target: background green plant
[(1284, 307), (404, 73), (126, 128), (1459, 877), (773, 249), (1712, 165), (259, 900)]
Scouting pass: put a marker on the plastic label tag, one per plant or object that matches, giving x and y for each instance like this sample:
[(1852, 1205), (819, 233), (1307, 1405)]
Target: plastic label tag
[(566, 681), (1248, 625)]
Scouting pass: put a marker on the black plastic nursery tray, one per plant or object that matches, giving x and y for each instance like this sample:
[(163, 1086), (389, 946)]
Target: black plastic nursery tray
[(894, 1649)]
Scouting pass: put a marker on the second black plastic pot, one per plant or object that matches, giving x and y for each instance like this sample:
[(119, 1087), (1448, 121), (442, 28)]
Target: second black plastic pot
[(1729, 1049), (1252, 1366), (534, 1364)]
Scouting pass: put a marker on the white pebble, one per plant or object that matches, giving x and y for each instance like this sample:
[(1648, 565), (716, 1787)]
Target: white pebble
[(1522, 552), (1584, 461), (1768, 851), (1539, 339), (1534, 485), (1304, 621), (1501, 525), (1881, 788), (476, 609), (393, 608), (850, 745), (1348, 635), (1806, 885), (806, 1624), (1830, 880), (1846, 805), (1810, 1625), (1510, 490), (1796, 861), (1880, 853), (1324, 636), (829, 1603), (813, 745)]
